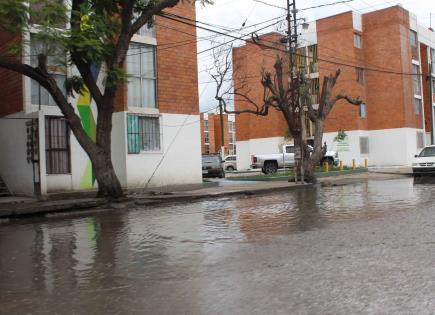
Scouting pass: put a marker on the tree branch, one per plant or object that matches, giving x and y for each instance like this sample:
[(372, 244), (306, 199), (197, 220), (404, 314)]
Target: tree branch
[(50, 85), (150, 10), (83, 66)]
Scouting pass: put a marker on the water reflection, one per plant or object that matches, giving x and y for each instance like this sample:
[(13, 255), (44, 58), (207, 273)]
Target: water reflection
[(127, 262)]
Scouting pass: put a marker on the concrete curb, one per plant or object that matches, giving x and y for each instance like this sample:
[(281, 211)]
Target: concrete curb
[(38, 209), (64, 206), (165, 199)]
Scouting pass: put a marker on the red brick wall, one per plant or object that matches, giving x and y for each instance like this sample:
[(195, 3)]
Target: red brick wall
[(11, 92), (211, 134), (218, 131), (177, 66), (390, 102), (177, 78), (386, 46), (249, 61), (335, 37)]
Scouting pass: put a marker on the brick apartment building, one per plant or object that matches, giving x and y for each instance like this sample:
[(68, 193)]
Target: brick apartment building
[(211, 134), (156, 125), (384, 57)]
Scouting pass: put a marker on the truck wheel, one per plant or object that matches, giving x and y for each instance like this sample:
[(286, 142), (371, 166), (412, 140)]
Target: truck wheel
[(329, 161), (270, 167), (230, 168)]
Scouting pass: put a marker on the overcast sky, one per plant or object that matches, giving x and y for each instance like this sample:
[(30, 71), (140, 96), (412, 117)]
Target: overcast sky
[(233, 13)]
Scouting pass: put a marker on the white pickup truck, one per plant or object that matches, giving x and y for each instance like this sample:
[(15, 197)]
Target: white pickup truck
[(270, 163)]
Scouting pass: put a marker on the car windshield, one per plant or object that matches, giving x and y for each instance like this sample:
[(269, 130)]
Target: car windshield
[(429, 151), (211, 159)]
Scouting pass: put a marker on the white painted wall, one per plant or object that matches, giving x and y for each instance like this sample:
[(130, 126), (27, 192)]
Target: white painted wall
[(180, 159), (387, 147), (119, 146), (245, 149), (309, 36), (14, 168)]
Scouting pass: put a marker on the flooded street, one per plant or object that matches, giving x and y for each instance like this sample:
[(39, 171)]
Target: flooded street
[(361, 248)]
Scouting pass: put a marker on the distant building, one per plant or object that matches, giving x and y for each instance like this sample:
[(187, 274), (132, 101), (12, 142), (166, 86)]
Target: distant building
[(384, 57), (211, 134)]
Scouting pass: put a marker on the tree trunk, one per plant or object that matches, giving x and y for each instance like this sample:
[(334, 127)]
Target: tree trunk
[(309, 165), (108, 183)]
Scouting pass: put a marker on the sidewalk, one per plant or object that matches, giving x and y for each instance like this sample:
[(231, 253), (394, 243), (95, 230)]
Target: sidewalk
[(13, 207)]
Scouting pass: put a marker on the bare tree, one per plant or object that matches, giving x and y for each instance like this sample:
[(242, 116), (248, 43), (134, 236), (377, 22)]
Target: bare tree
[(292, 100)]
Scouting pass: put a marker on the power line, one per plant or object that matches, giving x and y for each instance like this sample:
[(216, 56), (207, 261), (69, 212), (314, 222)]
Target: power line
[(296, 54)]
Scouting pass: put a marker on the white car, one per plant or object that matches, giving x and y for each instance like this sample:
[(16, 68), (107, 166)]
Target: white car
[(424, 163), (230, 163)]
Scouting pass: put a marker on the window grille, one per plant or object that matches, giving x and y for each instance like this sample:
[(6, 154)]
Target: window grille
[(57, 146), (143, 134)]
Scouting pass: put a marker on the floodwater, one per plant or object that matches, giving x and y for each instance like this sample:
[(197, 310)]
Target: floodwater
[(361, 248)]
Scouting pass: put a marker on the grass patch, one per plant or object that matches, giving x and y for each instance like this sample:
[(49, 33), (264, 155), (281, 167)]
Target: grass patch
[(285, 175)]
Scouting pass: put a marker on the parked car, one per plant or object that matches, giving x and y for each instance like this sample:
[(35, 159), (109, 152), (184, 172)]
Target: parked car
[(424, 163), (212, 166), (230, 163), (270, 163)]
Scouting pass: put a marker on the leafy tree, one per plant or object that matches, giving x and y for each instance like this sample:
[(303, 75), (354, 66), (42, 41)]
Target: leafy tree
[(98, 34)]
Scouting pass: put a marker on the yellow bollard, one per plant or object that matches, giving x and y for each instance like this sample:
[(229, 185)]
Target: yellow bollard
[(366, 163), (326, 167), (353, 164), (341, 166)]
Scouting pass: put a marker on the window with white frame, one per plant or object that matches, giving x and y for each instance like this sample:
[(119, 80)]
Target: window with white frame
[(364, 145), (363, 110), (416, 79), (433, 90), (413, 38), (143, 133), (357, 40), (432, 58), (420, 140), (141, 68), (56, 60), (148, 29), (417, 106), (38, 14), (359, 75), (232, 137)]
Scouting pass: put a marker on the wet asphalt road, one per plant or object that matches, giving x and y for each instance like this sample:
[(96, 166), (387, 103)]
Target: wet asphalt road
[(366, 248)]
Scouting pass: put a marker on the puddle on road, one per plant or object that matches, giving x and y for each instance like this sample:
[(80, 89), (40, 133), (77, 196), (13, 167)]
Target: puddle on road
[(122, 250)]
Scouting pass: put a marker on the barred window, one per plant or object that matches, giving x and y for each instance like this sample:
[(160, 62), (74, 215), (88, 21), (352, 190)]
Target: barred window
[(57, 145), (141, 68), (143, 134), (416, 79)]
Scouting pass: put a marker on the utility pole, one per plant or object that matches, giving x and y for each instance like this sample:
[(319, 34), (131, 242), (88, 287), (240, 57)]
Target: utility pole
[(292, 39), (221, 114)]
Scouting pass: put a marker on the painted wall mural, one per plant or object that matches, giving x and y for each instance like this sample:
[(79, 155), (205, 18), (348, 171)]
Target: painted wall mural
[(88, 121)]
